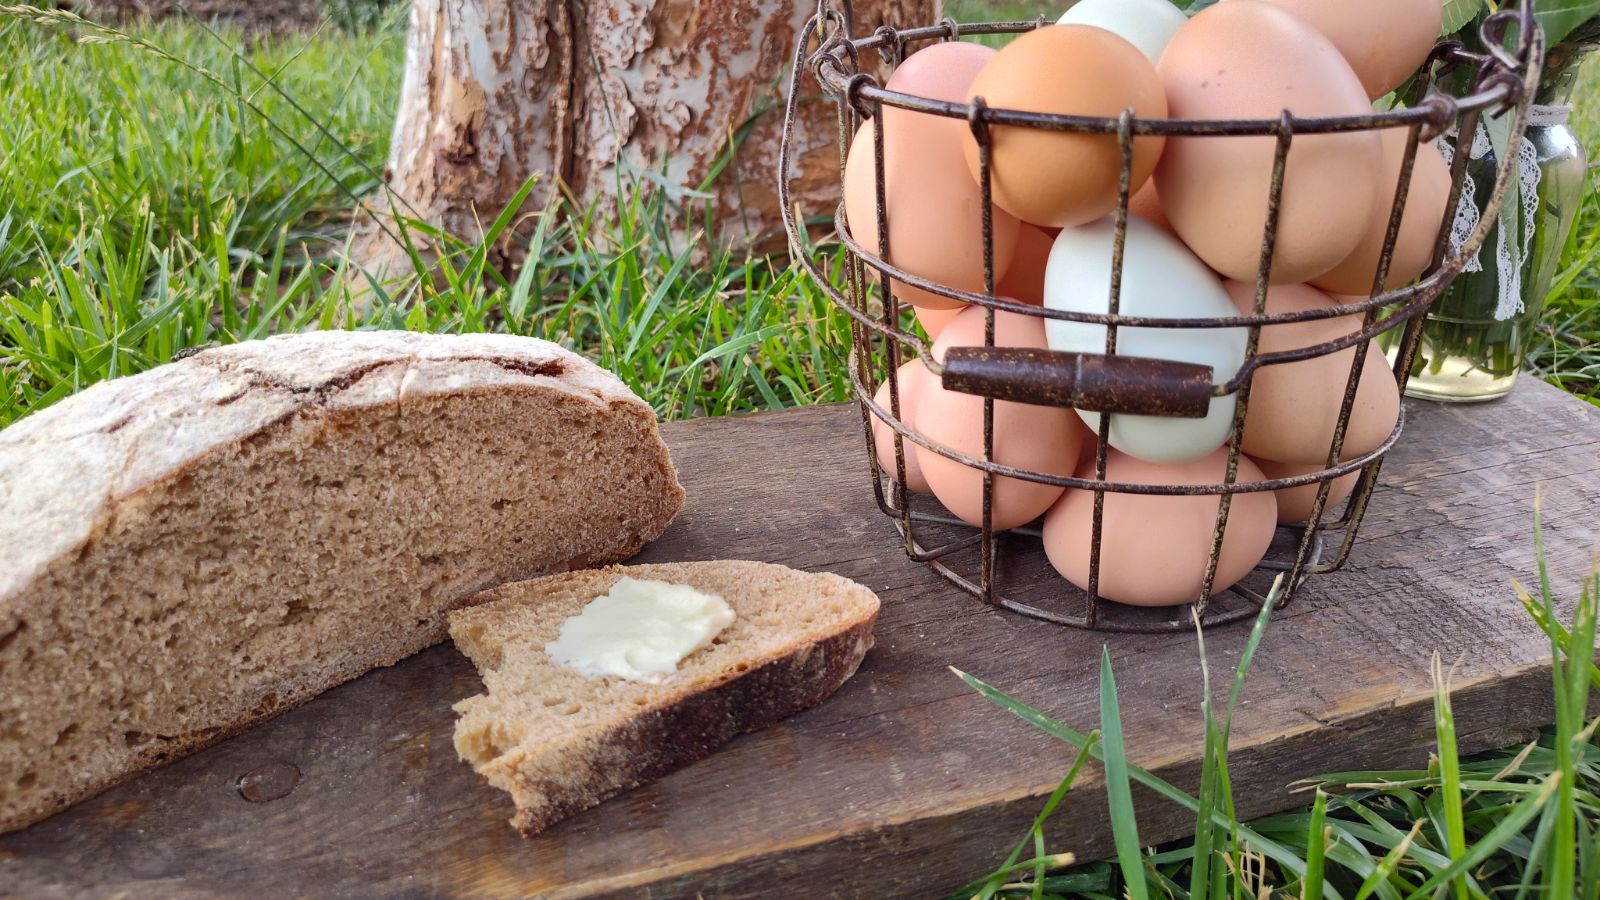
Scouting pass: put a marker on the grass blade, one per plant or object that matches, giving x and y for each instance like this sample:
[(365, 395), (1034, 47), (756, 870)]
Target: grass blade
[(1204, 829), (1316, 846), (1563, 849), (1556, 631), (1455, 831), (1119, 792)]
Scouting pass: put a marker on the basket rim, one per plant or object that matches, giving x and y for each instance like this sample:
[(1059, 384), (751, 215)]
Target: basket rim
[(1434, 110)]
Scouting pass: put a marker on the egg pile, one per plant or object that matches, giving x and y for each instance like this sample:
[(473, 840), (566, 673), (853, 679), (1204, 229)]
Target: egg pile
[(1192, 250)]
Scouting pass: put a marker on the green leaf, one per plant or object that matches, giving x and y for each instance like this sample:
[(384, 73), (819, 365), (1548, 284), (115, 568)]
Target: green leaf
[(1457, 13), (1536, 854), (1554, 629), (1559, 18), (1563, 839), (1588, 860), (1214, 797), (645, 319)]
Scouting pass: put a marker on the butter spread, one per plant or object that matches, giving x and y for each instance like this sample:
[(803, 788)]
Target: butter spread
[(640, 631)]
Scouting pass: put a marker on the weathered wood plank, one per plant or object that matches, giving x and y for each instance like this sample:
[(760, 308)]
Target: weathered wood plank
[(906, 777)]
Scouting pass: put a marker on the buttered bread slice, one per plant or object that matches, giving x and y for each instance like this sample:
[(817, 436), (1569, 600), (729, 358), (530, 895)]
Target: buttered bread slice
[(560, 741)]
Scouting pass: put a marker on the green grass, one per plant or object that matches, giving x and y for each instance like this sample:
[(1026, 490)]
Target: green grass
[(101, 139), (1518, 823), (146, 209)]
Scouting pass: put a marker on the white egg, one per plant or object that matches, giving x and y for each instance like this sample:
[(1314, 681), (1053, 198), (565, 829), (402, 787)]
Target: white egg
[(1160, 278), (1146, 24)]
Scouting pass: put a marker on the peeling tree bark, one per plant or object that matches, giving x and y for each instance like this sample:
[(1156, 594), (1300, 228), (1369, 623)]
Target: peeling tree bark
[(593, 93)]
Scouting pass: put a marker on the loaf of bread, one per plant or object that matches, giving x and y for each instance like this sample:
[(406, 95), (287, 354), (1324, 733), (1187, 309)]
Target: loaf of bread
[(188, 551), (561, 742)]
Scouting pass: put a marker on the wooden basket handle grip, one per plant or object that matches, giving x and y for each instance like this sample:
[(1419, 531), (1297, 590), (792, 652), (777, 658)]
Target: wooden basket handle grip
[(1087, 381)]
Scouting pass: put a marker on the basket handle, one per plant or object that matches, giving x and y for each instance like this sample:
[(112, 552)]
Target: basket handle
[(1088, 381)]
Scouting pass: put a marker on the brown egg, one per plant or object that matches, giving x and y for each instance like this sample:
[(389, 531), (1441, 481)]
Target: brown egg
[(1057, 178), (1247, 59), (1295, 406), (1146, 204), (933, 321), (934, 209), (1385, 41), (1294, 504), (1419, 226), (1153, 548), (914, 381), (1037, 438), (1025, 279)]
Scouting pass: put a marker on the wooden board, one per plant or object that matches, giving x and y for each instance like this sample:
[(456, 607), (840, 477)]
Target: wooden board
[(906, 781)]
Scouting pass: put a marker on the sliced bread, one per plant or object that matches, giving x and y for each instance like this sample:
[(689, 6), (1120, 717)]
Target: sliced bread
[(560, 742), (190, 550)]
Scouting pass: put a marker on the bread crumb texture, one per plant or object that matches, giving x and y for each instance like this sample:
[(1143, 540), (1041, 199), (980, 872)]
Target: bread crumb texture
[(190, 550), (560, 742)]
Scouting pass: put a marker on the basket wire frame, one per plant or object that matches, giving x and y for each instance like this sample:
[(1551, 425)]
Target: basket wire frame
[(1502, 82)]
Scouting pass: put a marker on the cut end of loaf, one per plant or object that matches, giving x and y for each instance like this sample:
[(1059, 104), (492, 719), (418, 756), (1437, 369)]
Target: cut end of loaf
[(560, 743)]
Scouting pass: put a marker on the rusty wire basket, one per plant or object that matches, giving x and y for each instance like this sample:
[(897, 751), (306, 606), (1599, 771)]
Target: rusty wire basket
[(1008, 569)]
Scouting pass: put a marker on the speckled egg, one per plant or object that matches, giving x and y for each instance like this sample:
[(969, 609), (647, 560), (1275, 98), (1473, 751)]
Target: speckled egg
[(1385, 41), (1247, 59)]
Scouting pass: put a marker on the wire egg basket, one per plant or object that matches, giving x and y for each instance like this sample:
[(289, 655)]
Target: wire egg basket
[(1008, 568)]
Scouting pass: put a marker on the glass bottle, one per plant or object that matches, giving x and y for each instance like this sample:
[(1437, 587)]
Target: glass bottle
[(1466, 354)]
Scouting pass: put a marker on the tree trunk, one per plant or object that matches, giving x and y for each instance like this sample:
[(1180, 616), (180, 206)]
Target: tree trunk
[(594, 93)]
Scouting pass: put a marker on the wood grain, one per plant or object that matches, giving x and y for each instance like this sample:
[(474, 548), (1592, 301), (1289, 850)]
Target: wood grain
[(906, 779)]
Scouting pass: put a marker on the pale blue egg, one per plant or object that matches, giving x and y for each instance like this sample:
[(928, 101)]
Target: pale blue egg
[(1160, 278)]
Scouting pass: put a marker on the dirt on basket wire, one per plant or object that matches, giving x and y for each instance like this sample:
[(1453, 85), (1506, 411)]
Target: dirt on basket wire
[(257, 18)]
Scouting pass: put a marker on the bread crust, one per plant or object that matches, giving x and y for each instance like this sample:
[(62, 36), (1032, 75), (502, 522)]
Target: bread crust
[(127, 437), (93, 464), (663, 740)]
